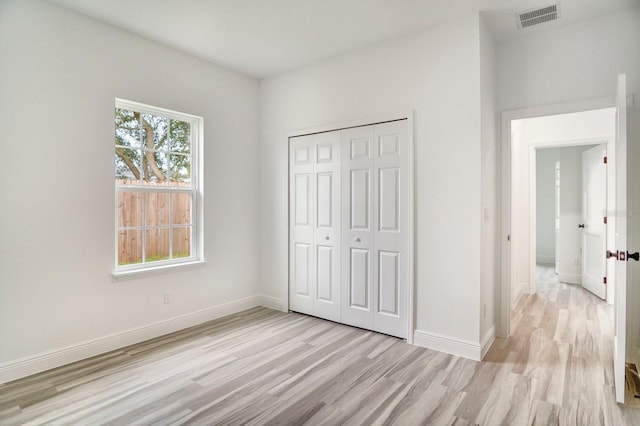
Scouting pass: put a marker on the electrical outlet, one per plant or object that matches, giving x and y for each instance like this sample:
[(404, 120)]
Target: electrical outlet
[(167, 297)]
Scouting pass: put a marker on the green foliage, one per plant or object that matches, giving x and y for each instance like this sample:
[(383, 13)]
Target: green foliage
[(151, 148)]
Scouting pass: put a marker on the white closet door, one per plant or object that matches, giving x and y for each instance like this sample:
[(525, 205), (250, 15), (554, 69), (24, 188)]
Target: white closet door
[(301, 227), (375, 218), (314, 229), (357, 226), (327, 226), (391, 223)]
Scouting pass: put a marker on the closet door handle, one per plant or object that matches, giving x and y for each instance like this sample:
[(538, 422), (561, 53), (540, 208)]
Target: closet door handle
[(358, 240), (581, 225), (635, 256), (611, 254)]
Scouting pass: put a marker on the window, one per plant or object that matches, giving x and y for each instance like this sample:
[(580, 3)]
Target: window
[(158, 222)]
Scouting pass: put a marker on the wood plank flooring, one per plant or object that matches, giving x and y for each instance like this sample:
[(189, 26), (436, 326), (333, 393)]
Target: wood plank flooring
[(266, 367)]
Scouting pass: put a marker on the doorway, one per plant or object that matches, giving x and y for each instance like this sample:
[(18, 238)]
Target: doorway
[(525, 131), (569, 210)]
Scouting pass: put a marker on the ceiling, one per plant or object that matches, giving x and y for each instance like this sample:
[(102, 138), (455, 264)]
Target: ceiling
[(261, 38)]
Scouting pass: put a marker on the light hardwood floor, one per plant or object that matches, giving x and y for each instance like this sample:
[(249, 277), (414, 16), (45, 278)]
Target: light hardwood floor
[(266, 367)]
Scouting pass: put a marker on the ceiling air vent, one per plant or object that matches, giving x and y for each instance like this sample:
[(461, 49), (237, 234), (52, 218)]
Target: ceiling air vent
[(533, 17)]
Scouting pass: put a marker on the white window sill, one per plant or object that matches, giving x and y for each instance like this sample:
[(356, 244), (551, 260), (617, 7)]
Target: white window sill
[(156, 270)]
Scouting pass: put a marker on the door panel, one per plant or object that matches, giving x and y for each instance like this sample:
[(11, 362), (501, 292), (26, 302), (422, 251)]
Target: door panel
[(301, 228), (303, 199), (391, 226), (389, 199), (378, 198), (325, 268), (594, 207), (620, 304), (357, 233), (327, 229), (359, 279), (325, 200), (388, 282), (359, 199), (302, 269)]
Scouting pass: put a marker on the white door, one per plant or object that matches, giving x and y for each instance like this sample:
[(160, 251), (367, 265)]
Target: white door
[(627, 237), (375, 212), (557, 227), (327, 226), (357, 226), (314, 248), (301, 224), (594, 207), (391, 222)]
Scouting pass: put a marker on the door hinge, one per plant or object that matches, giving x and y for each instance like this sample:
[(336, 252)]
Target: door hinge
[(605, 219), (605, 160), (604, 280), (509, 237)]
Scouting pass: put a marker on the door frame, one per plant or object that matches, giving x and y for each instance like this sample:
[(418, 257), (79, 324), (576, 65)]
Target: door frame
[(533, 173), (367, 121), (507, 234)]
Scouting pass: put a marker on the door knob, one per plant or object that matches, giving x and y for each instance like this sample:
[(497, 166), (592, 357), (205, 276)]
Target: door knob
[(611, 254), (635, 256), (326, 238), (358, 240), (581, 225)]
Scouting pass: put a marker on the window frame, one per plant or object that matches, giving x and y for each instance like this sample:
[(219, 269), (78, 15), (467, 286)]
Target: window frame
[(196, 191)]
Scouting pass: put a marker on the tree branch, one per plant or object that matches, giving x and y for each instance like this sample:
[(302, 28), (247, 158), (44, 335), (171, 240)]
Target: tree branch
[(129, 162), (149, 138)]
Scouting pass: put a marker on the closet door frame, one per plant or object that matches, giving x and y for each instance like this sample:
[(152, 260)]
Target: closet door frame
[(409, 117)]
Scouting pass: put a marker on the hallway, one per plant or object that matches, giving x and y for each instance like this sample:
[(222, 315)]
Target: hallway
[(560, 357)]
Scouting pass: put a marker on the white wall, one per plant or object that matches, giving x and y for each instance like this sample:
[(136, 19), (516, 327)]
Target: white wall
[(571, 63), (596, 126), (59, 76), (546, 205), (489, 263), (436, 73)]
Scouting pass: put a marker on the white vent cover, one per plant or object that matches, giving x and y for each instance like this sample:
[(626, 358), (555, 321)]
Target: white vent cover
[(532, 17)]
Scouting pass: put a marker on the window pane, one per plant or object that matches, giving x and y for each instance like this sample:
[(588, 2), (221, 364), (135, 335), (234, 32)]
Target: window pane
[(127, 165), (157, 208), (180, 137), (179, 170), (155, 167), (155, 132), (157, 244), (181, 241), (156, 223), (181, 209), (129, 209), (127, 128), (129, 247)]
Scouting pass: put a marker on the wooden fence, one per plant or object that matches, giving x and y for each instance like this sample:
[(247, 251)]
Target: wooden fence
[(156, 222)]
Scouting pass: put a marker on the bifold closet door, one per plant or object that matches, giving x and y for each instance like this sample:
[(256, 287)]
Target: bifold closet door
[(314, 229), (375, 222)]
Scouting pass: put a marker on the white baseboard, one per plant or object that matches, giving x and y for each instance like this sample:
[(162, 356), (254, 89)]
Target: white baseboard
[(27, 366), (274, 303), (570, 278), (521, 290), (447, 344), (487, 341)]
